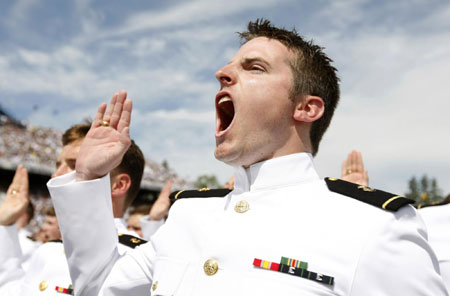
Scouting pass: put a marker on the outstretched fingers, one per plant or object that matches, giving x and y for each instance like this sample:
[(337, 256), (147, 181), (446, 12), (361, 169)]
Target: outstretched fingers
[(117, 109), (23, 180), (125, 116), (20, 180), (19, 184), (99, 115), (345, 165), (107, 116), (359, 164)]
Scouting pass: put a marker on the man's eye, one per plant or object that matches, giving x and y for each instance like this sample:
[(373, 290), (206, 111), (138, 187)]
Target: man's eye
[(256, 68)]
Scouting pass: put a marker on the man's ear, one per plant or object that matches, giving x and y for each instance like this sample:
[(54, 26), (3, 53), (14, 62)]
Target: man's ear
[(120, 184), (308, 109)]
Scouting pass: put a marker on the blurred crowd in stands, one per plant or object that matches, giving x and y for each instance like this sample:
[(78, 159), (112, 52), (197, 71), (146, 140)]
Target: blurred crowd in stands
[(36, 147), (28, 144)]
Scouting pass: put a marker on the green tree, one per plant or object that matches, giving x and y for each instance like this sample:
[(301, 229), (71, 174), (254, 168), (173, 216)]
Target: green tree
[(424, 193), (209, 181), (414, 192), (435, 192), (165, 164)]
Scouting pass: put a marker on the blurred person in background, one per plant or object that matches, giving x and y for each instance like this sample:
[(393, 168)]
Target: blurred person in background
[(145, 220), (28, 243), (134, 218), (48, 272), (50, 228)]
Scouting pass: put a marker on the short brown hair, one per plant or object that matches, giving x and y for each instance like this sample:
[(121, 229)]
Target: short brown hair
[(143, 209), (49, 211), (75, 133), (133, 163), (313, 73)]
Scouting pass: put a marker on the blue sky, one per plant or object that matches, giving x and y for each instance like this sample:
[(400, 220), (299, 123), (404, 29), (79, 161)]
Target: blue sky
[(60, 59)]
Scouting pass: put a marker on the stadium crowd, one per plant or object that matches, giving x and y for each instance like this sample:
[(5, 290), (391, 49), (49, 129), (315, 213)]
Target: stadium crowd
[(37, 146)]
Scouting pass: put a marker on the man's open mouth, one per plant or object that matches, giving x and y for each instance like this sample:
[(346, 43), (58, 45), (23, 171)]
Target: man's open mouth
[(225, 113)]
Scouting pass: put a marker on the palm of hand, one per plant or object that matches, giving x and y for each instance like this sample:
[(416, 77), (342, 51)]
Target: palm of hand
[(107, 141), (353, 169), (161, 206), (357, 178), (101, 151), (16, 200)]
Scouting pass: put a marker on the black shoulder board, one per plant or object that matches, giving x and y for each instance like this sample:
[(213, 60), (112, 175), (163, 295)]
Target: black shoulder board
[(375, 197), (204, 192), (130, 241), (30, 237), (434, 204), (55, 241)]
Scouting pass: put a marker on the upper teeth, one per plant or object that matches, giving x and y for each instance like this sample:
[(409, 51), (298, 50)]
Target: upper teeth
[(224, 99)]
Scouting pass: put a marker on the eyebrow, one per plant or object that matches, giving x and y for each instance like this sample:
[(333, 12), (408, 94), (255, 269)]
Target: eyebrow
[(247, 61)]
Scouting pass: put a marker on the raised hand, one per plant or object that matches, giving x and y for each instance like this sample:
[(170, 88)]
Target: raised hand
[(17, 199), (229, 184), (161, 206), (353, 169), (107, 141)]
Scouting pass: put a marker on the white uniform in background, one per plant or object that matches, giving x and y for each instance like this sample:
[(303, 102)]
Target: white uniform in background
[(437, 221), (28, 246), (48, 272), (278, 208), (149, 227)]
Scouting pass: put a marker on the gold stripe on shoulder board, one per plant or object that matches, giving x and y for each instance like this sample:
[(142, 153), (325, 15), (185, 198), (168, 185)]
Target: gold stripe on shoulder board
[(390, 200)]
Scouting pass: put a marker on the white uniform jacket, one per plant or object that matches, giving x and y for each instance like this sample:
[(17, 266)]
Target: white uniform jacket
[(47, 272), (278, 208), (149, 227), (28, 246), (437, 221)]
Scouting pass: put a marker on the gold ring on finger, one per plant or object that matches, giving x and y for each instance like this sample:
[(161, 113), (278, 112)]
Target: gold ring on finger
[(349, 172), (14, 191), (105, 123)]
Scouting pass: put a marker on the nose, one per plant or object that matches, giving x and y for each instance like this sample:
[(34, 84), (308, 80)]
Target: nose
[(61, 170), (226, 76)]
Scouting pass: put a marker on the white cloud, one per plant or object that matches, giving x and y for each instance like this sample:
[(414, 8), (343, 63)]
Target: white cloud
[(393, 106), (184, 115), (145, 47), (33, 57), (18, 14), (394, 89), (190, 13)]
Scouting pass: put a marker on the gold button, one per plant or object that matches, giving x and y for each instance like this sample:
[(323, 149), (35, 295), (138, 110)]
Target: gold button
[(155, 285), (135, 240), (366, 189), (332, 179), (210, 267), (242, 206), (43, 285)]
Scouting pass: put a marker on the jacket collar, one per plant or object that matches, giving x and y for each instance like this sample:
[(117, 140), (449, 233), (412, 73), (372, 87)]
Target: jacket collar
[(290, 169)]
